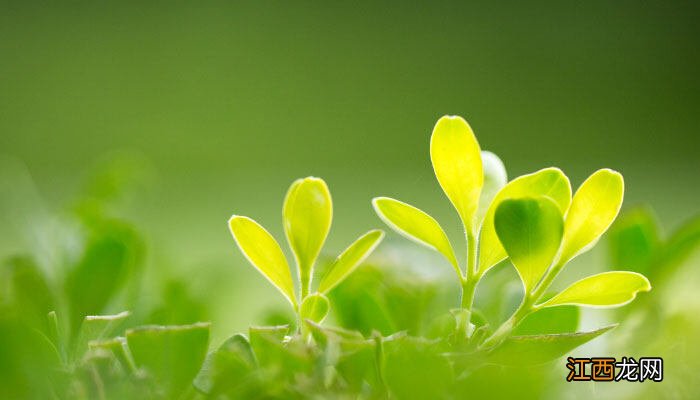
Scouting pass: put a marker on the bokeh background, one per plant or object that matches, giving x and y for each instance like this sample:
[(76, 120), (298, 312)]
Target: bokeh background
[(216, 108)]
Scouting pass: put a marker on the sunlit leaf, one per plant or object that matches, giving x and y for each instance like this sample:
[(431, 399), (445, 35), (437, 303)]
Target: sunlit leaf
[(263, 251), (416, 225), (530, 230), (538, 349), (349, 259), (307, 212), (550, 182), (171, 354), (634, 241), (593, 208), (495, 178), (608, 289), (315, 307), (456, 159)]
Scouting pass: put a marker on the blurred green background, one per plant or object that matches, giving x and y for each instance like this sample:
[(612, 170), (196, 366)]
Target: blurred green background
[(224, 104)]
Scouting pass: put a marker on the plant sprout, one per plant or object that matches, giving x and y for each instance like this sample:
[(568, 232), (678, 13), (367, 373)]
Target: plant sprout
[(533, 220), (307, 215)]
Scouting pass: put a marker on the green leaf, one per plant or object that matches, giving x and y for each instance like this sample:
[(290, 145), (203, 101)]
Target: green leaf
[(308, 212), (682, 243), (634, 241), (349, 259), (414, 368), (416, 225), (27, 290), (171, 354), (119, 348), (538, 349), (113, 254), (315, 307), (227, 370), (608, 289), (593, 208), (97, 327), (456, 159), (495, 178), (530, 230), (550, 182), (263, 251), (562, 319)]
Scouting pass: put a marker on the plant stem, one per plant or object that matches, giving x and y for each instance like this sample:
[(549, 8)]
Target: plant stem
[(527, 307), (468, 283)]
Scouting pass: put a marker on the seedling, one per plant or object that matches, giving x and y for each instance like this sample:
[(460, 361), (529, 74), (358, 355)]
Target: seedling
[(307, 215), (532, 220)]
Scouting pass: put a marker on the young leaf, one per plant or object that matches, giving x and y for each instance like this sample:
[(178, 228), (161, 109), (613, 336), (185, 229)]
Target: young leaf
[(550, 182), (608, 289), (307, 211), (416, 225), (315, 307), (456, 159), (263, 251), (350, 259), (593, 208), (495, 178), (562, 319), (530, 230), (538, 349), (171, 354)]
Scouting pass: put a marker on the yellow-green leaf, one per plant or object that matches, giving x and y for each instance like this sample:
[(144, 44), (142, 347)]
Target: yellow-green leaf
[(495, 177), (349, 259), (456, 159), (416, 225), (609, 289), (550, 182), (315, 307), (593, 208), (530, 230), (263, 251), (308, 211)]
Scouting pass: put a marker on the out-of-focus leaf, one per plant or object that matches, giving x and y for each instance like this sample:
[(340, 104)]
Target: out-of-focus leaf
[(113, 253), (682, 243), (634, 241), (350, 259), (530, 230), (229, 370), (414, 368), (593, 208), (278, 355), (96, 327), (608, 289), (263, 251), (308, 212), (24, 286), (538, 349), (171, 354), (495, 178), (178, 306), (549, 182), (562, 319), (416, 225), (119, 348), (315, 307), (456, 159)]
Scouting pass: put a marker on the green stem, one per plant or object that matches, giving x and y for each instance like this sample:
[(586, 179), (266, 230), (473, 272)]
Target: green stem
[(527, 307), (468, 283)]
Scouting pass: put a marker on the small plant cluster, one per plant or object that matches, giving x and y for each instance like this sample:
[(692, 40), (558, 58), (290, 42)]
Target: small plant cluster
[(398, 335)]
